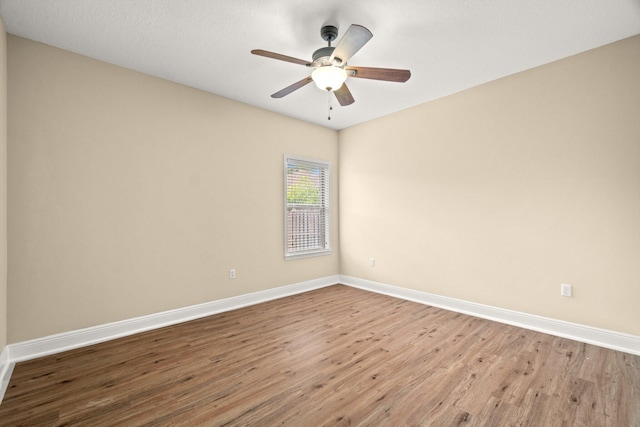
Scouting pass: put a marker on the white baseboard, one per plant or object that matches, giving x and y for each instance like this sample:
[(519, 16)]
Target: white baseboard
[(79, 338), (52, 344), (587, 334), (6, 368)]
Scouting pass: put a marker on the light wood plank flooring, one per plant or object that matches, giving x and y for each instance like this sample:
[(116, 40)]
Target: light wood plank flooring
[(336, 356)]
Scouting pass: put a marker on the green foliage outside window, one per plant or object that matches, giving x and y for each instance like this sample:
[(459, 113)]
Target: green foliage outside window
[(303, 192)]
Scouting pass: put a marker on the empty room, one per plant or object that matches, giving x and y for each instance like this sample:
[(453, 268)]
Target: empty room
[(420, 213)]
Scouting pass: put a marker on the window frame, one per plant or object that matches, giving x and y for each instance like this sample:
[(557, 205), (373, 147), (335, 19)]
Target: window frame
[(325, 204)]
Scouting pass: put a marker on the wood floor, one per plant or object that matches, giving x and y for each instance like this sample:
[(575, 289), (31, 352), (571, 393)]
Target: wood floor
[(336, 356)]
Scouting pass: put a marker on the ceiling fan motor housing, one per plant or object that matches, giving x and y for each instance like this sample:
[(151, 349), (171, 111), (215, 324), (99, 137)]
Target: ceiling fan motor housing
[(322, 53)]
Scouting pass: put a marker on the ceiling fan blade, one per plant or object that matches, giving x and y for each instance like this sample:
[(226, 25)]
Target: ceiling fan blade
[(297, 85), (386, 74), (352, 41), (343, 95), (273, 55)]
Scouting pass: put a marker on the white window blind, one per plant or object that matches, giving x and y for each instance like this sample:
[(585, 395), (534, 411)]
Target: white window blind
[(306, 207)]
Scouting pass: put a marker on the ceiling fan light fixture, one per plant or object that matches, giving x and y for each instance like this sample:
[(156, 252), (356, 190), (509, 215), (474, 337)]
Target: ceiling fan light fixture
[(329, 78)]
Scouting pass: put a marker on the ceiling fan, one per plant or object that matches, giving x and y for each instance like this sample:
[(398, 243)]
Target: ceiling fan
[(330, 64)]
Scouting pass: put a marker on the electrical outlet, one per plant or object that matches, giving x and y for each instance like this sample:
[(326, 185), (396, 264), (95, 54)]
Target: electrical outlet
[(232, 273), (372, 262), (565, 290)]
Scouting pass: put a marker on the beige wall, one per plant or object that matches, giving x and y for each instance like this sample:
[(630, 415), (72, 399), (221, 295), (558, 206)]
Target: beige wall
[(130, 195), (500, 193), (3, 186)]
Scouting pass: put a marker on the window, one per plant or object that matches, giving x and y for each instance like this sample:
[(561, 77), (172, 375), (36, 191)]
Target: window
[(306, 206)]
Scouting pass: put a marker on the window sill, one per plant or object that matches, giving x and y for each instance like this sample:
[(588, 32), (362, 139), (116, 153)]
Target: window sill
[(322, 252)]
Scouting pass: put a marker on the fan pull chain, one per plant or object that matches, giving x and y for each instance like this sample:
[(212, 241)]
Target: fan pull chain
[(330, 107)]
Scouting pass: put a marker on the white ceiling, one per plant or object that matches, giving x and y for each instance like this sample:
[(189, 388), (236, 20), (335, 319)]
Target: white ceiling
[(449, 45)]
